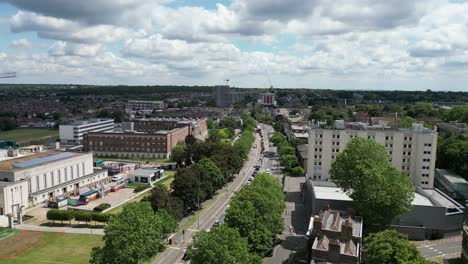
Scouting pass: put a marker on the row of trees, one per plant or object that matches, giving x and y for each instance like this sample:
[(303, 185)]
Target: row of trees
[(287, 154), (252, 222), (135, 235)]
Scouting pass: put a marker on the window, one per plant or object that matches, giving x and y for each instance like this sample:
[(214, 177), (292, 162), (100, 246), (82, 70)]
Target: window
[(409, 153), (333, 157), (71, 172), (52, 177), (406, 138), (404, 160), (37, 183), (337, 136), (59, 176), (45, 180)]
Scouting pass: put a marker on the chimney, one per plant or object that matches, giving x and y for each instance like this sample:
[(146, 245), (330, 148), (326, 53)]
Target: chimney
[(346, 230), (334, 250), (317, 227)]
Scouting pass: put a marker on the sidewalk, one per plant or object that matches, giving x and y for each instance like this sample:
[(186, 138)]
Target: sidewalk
[(71, 230)]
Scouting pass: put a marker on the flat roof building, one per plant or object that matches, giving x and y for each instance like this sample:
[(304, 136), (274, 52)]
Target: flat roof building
[(452, 184), (34, 179), (412, 151), (74, 132)]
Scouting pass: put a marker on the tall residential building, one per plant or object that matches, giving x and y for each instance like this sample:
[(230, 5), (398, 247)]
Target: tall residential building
[(73, 133), (412, 151), (223, 96), (268, 99)]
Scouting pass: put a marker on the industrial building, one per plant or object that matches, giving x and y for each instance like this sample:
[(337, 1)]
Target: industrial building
[(33, 179), (145, 138), (433, 215), (452, 184), (336, 237), (412, 151), (138, 105), (74, 132)]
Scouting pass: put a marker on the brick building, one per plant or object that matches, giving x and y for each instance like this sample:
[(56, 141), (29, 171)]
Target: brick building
[(336, 236), (151, 138)]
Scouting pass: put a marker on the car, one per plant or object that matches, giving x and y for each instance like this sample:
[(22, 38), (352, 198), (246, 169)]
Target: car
[(250, 178), (268, 170), (217, 223), (247, 183), (117, 177)]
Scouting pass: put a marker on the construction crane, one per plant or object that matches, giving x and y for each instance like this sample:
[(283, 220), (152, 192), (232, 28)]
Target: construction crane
[(8, 75)]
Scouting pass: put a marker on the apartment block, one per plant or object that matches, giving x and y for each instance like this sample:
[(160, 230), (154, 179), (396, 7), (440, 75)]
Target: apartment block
[(139, 105), (73, 133), (412, 151)]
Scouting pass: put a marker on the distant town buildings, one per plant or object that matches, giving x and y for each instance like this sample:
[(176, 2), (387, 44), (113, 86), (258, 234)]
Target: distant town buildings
[(144, 138), (336, 237), (225, 96), (268, 99), (412, 151), (74, 132), (138, 105), (33, 179)]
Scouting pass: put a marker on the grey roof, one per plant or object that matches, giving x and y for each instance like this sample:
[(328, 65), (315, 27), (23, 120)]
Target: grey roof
[(144, 172), (451, 177), (40, 161)]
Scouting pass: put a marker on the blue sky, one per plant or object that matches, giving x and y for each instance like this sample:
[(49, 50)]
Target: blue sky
[(342, 44)]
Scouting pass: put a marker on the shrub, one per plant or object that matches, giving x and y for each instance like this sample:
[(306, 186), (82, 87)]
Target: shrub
[(60, 215), (101, 207), (140, 188), (84, 216), (297, 171)]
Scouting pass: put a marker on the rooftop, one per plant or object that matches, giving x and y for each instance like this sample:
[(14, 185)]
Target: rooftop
[(35, 160), (144, 172), (335, 193), (450, 176)]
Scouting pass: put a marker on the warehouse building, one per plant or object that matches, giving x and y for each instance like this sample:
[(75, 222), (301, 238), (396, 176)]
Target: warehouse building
[(31, 180), (73, 133), (412, 151)]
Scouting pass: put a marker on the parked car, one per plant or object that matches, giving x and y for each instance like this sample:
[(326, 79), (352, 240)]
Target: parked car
[(217, 223), (117, 177)]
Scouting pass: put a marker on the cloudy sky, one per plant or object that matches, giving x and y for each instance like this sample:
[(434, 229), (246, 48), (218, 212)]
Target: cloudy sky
[(340, 44)]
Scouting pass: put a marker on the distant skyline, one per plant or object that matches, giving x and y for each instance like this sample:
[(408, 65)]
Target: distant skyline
[(321, 44)]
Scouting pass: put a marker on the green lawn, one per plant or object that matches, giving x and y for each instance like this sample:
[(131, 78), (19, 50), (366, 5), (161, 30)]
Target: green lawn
[(135, 184), (67, 249), (25, 135)]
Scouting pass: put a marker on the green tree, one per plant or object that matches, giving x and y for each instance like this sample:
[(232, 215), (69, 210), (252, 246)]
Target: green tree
[(380, 192), (133, 236), (161, 198), (221, 245), (452, 154), (178, 153), (278, 138), (391, 247), (297, 171), (168, 222), (406, 122)]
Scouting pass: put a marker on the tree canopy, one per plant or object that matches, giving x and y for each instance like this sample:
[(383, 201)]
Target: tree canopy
[(379, 191), (133, 236), (222, 245), (391, 247), (452, 154)]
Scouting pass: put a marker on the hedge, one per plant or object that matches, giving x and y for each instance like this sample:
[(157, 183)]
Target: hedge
[(101, 207), (68, 215), (140, 188)]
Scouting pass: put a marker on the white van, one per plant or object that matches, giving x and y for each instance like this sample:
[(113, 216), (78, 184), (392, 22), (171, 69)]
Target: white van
[(117, 177)]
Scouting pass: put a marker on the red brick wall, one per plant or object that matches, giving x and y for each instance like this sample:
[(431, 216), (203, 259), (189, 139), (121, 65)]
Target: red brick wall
[(176, 136)]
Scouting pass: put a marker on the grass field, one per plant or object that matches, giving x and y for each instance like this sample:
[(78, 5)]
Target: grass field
[(46, 247), (25, 135)]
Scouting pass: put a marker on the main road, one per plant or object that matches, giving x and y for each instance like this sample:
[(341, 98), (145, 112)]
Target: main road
[(175, 252)]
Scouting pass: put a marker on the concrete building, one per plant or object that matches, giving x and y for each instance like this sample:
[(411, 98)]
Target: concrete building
[(336, 237), (138, 105), (73, 133), (302, 153), (150, 138), (434, 214), (453, 128), (34, 179), (412, 151), (268, 99), (223, 96), (145, 175), (452, 184)]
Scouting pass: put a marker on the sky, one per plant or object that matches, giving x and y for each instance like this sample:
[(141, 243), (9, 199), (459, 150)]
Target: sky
[(340, 44)]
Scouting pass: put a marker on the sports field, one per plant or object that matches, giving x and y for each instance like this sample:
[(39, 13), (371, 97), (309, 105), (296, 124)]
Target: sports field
[(25, 135), (47, 247)]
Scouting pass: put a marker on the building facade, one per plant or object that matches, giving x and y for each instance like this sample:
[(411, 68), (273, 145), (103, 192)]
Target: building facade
[(223, 96), (139, 105), (73, 133), (412, 151), (452, 184), (34, 179)]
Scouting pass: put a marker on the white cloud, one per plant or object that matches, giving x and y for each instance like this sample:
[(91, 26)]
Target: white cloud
[(21, 44)]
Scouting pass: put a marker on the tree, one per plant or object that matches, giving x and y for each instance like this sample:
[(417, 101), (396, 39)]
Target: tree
[(452, 154), (391, 247), (297, 171), (168, 222), (131, 237), (278, 138), (222, 245), (380, 192), (406, 122), (160, 198), (178, 154)]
